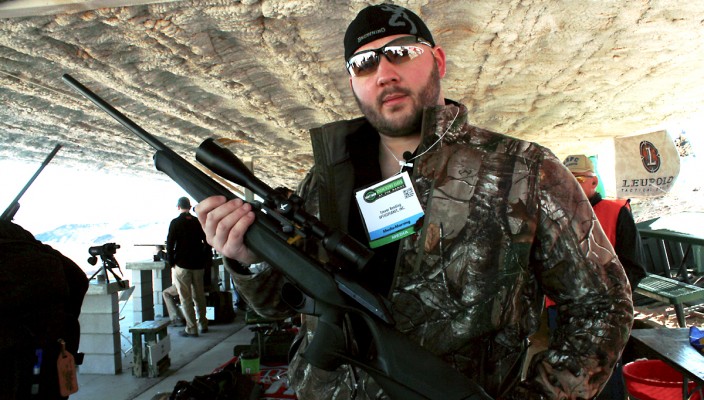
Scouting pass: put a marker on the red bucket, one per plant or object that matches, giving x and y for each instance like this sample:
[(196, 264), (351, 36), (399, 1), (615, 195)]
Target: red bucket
[(654, 380)]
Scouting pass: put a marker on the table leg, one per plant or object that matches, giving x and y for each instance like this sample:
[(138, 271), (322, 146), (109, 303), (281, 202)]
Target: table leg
[(682, 269), (137, 354), (685, 387), (679, 311)]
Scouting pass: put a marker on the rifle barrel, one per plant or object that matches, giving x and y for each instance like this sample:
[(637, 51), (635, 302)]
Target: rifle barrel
[(9, 213), (118, 116)]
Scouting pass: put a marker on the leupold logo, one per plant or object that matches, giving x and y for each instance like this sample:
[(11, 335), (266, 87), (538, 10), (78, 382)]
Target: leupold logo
[(650, 156)]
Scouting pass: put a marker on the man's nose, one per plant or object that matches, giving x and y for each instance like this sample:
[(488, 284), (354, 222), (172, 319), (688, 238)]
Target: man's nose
[(386, 72)]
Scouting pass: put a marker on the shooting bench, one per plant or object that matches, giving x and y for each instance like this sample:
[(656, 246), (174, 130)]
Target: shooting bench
[(153, 357), (672, 245), (670, 291)]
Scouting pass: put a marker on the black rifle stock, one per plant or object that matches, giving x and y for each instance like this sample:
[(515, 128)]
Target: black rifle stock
[(404, 369), (12, 209)]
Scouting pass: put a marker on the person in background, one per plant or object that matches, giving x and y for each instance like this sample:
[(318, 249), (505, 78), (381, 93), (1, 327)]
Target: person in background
[(40, 303), (188, 252), (171, 299), (617, 221), (615, 217), (503, 224)]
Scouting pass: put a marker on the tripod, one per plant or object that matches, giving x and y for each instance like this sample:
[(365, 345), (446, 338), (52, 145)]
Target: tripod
[(109, 262)]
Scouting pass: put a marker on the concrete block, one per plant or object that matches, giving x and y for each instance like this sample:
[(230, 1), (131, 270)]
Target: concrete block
[(105, 364), (165, 277), (137, 276), (107, 288), (99, 323), (99, 343), (146, 265), (94, 304)]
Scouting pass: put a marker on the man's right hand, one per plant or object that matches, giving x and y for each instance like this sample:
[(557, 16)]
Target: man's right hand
[(225, 223)]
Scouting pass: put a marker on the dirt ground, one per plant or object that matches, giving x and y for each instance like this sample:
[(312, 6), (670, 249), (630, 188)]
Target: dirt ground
[(687, 198), (661, 315)]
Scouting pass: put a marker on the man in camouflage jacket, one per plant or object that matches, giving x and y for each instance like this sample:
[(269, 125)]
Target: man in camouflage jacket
[(505, 223)]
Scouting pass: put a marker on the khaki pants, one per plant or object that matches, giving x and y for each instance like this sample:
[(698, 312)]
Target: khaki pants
[(170, 296), (189, 283)]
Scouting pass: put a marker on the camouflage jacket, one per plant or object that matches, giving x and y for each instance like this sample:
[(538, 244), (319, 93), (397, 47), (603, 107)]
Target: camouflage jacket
[(505, 224)]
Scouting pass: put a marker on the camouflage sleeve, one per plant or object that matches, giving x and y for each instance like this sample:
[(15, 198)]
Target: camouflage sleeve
[(577, 268), (262, 290)]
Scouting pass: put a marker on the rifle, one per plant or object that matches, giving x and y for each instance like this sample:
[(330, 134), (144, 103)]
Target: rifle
[(404, 369), (12, 209)]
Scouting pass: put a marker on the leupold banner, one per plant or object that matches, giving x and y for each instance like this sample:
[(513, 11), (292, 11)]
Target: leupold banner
[(645, 165)]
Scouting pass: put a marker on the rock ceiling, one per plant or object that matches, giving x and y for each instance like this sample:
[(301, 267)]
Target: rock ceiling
[(565, 74)]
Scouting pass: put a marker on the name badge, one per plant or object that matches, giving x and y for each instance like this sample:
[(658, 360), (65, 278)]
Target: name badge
[(390, 209)]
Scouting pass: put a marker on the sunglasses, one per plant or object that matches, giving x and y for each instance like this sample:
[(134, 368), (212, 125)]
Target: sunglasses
[(396, 51), (583, 178)]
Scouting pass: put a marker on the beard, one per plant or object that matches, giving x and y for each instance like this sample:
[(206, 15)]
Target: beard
[(402, 125)]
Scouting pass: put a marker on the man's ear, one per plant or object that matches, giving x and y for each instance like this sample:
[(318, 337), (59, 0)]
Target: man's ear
[(440, 59), (595, 181)]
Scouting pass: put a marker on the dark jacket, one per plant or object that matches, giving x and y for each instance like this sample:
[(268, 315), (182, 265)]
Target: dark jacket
[(505, 224), (41, 295), (185, 243)]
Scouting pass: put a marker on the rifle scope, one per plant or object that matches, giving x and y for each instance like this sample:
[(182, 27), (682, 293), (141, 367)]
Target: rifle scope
[(226, 164)]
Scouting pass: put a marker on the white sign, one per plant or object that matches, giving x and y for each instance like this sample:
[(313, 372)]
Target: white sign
[(645, 165)]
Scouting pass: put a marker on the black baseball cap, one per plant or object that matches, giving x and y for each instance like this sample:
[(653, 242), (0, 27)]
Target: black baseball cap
[(383, 20)]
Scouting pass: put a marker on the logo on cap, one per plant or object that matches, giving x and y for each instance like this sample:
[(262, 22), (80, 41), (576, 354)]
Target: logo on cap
[(366, 35), (397, 14), (571, 161)]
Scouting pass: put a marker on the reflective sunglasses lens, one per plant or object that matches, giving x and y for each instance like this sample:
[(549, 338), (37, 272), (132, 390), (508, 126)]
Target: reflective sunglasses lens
[(363, 63), (402, 54), (396, 51), (366, 63)]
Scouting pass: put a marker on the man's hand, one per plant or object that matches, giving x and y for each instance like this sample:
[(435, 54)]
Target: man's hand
[(225, 223)]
